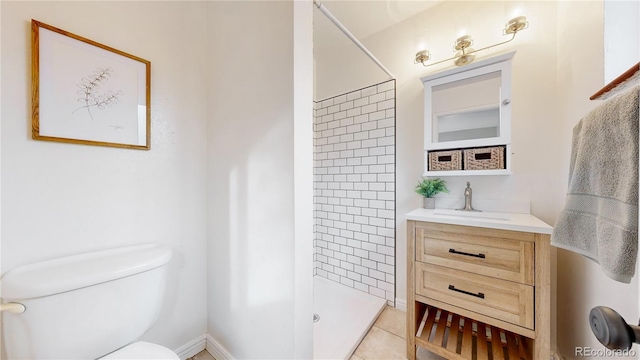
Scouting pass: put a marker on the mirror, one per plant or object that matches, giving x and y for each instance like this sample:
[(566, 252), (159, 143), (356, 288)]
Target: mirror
[(466, 109), (469, 106)]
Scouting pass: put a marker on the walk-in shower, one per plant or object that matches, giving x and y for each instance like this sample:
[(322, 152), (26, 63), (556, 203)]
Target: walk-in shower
[(354, 199)]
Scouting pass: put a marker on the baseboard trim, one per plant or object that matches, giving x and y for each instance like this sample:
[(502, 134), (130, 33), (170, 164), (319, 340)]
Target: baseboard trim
[(216, 350), (401, 304), (192, 347)]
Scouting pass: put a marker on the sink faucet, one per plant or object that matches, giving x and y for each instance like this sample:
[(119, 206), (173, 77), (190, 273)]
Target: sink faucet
[(467, 199)]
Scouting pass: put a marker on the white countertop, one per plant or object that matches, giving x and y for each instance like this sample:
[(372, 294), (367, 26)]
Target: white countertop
[(492, 220)]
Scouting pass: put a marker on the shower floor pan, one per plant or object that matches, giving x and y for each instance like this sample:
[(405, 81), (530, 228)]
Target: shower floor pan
[(346, 315)]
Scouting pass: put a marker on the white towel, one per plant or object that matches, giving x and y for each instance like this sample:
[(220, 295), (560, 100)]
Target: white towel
[(600, 219)]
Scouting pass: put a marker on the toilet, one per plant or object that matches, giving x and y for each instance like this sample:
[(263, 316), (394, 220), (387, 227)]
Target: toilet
[(88, 306)]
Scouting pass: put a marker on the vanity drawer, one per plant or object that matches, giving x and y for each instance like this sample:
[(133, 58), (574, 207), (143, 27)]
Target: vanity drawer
[(500, 299), (498, 254)]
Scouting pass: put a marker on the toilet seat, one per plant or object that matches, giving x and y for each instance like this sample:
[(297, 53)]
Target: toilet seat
[(142, 350)]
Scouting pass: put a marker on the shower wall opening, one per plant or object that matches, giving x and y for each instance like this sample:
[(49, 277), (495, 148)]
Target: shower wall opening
[(354, 184)]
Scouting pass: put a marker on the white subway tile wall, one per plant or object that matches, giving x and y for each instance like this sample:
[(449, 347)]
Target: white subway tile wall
[(354, 183)]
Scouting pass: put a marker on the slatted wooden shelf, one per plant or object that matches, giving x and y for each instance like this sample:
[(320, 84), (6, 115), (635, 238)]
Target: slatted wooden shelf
[(456, 337)]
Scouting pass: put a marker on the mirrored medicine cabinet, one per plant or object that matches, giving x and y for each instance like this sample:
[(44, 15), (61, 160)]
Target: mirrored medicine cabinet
[(469, 108)]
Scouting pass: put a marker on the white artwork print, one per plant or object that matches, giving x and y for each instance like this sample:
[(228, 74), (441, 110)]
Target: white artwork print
[(89, 93)]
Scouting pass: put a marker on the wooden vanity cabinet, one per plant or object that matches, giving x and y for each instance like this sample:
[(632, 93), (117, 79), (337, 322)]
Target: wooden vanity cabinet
[(480, 291)]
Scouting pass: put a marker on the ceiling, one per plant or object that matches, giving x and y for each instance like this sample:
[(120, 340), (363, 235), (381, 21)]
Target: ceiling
[(362, 18)]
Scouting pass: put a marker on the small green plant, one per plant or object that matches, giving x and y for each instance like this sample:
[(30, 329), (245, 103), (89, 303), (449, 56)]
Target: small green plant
[(430, 187)]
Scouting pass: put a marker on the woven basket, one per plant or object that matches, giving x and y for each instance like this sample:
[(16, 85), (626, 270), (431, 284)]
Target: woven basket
[(445, 160), (484, 158)]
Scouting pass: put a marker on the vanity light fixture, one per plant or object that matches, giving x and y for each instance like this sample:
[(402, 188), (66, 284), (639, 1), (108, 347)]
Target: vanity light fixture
[(465, 54)]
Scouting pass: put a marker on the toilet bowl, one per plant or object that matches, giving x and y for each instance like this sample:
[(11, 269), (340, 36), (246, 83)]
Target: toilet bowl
[(88, 306), (142, 350)]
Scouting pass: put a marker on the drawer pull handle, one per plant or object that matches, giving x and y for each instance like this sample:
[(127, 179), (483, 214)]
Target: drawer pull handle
[(453, 251), (478, 295)]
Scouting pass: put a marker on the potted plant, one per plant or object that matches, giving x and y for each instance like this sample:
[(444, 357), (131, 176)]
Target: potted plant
[(428, 188)]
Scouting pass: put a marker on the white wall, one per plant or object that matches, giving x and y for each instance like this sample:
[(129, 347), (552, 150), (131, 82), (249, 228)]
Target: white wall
[(621, 29), (1, 333), (60, 199), (251, 267), (581, 284), (351, 70), (303, 177)]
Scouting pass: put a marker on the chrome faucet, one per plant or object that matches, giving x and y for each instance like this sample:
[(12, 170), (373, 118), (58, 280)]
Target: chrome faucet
[(467, 199)]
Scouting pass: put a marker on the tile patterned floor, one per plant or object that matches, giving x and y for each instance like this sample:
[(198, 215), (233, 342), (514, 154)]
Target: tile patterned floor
[(387, 339), (203, 355), (384, 341)]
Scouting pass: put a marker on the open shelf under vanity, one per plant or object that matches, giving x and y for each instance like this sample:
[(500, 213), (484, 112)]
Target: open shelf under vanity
[(457, 337)]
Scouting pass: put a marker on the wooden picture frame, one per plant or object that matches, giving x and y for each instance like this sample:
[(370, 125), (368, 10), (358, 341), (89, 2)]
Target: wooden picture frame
[(88, 93)]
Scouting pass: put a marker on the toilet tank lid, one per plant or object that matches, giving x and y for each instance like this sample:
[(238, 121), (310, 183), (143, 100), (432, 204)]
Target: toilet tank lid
[(78, 271)]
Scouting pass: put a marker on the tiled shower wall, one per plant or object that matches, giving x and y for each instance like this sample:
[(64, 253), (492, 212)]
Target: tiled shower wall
[(354, 141)]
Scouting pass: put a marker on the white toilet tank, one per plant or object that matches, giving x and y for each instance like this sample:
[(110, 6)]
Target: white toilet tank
[(84, 306)]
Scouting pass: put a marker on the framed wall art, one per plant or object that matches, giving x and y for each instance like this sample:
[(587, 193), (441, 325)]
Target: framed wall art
[(88, 93)]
